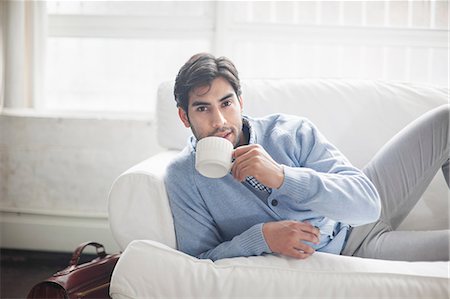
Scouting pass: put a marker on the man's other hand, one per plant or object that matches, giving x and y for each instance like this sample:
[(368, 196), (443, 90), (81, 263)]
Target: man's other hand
[(287, 238)]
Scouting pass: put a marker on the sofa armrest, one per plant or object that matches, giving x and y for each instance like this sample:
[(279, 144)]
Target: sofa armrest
[(138, 204)]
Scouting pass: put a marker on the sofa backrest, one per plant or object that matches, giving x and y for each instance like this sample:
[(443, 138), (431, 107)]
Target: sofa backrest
[(358, 116)]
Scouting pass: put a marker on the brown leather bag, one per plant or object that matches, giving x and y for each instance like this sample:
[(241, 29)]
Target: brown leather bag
[(88, 280)]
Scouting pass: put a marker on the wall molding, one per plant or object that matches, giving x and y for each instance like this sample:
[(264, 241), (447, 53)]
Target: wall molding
[(59, 231), (56, 213)]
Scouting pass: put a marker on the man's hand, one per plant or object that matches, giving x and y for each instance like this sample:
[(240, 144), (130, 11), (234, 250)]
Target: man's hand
[(253, 160), (286, 238)]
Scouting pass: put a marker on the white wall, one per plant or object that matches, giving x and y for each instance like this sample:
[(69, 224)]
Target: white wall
[(55, 175)]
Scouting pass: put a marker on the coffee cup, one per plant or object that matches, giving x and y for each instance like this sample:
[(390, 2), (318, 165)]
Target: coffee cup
[(213, 157)]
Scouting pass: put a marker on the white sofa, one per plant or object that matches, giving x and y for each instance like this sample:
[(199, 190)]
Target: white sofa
[(358, 116)]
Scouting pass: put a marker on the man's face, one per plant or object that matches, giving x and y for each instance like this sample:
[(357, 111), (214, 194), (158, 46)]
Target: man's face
[(214, 111)]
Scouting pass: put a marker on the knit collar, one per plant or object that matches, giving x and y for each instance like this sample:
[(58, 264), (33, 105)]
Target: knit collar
[(247, 127)]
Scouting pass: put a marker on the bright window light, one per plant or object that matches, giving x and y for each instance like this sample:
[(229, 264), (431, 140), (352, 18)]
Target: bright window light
[(104, 74)]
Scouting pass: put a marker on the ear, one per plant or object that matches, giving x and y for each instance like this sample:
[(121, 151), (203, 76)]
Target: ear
[(184, 118)]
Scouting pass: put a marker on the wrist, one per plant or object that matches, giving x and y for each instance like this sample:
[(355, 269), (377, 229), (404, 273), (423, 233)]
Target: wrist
[(280, 177), (265, 232)]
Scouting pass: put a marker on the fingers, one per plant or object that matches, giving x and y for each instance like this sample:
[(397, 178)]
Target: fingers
[(304, 248), (305, 231), (239, 151), (254, 161), (314, 233), (298, 254), (291, 238), (242, 162), (244, 168), (308, 227), (309, 237), (300, 251)]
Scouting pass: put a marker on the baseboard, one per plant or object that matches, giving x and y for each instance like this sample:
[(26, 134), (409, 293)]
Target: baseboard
[(53, 230)]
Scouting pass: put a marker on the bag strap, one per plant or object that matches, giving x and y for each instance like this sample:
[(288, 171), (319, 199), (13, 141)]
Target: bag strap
[(77, 253)]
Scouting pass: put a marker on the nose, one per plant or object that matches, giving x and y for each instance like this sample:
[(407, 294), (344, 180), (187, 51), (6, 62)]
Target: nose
[(218, 120)]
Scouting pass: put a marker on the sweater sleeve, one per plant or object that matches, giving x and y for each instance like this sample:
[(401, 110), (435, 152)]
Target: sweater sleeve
[(195, 229), (326, 182)]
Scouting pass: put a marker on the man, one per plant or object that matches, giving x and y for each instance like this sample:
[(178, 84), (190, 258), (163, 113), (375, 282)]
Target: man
[(290, 191)]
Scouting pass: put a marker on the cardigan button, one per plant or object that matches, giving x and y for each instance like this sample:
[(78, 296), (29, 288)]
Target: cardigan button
[(274, 202)]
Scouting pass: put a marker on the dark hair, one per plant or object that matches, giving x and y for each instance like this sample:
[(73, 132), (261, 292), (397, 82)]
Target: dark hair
[(200, 70)]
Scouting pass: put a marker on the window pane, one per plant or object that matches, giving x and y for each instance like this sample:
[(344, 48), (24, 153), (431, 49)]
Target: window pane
[(131, 8), (330, 13), (398, 13), (112, 74), (375, 12), (441, 10)]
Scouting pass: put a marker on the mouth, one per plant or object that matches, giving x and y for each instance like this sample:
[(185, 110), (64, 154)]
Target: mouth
[(224, 135)]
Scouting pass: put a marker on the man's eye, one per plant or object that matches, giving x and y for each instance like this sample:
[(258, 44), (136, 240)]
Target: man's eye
[(227, 103), (201, 109)]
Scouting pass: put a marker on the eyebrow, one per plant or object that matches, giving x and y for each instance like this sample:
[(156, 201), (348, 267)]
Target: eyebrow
[(200, 103)]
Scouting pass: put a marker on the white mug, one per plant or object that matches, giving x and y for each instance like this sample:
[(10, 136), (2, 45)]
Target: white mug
[(213, 157)]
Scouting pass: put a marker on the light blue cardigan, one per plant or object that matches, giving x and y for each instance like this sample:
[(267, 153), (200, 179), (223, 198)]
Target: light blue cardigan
[(221, 218)]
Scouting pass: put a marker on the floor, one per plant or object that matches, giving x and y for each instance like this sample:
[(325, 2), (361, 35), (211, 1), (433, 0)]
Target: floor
[(20, 270)]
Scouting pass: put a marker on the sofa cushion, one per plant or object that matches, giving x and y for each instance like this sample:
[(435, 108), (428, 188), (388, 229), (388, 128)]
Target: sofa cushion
[(148, 269)]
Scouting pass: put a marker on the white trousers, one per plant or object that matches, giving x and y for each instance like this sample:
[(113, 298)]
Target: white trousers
[(401, 171)]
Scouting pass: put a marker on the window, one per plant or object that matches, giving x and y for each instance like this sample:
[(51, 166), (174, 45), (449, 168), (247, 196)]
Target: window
[(112, 55), (391, 40)]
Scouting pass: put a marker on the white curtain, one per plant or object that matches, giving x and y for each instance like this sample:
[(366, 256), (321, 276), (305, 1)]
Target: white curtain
[(23, 27), (2, 53)]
